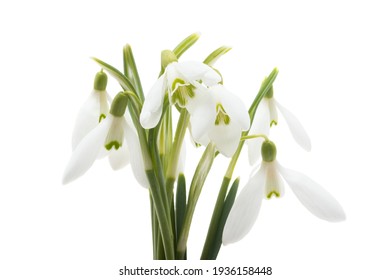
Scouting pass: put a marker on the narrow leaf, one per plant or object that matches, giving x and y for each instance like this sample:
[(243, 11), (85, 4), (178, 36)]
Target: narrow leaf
[(181, 203), (122, 79), (215, 55), (186, 44), (229, 201), (131, 72)]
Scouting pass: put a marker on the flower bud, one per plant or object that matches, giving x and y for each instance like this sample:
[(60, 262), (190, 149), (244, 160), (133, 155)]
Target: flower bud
[(100, 83), (268, 151)]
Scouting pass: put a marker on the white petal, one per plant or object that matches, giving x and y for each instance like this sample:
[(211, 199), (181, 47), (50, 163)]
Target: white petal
[(245, 209), (119, 158), (273, 184), (152, 108), (260, 125), (273, 113), (136, 158), (87, 151), (87, 118), (233, 106), (296, 128), (314, 197), (195, 71), (226, 137), (203, 113)]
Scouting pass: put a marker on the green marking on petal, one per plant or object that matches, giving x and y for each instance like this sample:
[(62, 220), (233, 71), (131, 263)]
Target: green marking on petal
[(102, 117), (275, 193), (181, 92), (273, 122), (115, 144), (221, 115)]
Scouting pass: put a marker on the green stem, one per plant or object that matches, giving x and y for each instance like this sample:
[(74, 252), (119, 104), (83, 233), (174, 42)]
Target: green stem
[(162, 216), (214, 223), (197, 183), (176, 149)]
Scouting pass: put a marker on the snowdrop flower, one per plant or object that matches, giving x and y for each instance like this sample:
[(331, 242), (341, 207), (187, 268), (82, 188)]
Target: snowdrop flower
[(219, 116), (94, 110), (115, 135), (179, 80), (267, 115), (267, 182)]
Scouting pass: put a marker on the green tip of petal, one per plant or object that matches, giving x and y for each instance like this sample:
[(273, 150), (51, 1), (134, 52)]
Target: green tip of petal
[(114, 144), (102, 117), (221, 115), (273, 122), (181, 92), (276, 194)]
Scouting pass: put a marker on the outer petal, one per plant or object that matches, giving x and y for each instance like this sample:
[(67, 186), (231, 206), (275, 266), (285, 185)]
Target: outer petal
[(87, 118), (136, 159), (87, 151), (296, 128), (152, 108), (245, 209), (260, 125), (314, 197), (226, 137), (195, 71), (233, 105)]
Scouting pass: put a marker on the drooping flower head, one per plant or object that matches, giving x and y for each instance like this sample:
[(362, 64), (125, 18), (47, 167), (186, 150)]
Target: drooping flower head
[(267, 182), (179, 81), (94, 110), (115, 135), (266, 116), (219, 116)]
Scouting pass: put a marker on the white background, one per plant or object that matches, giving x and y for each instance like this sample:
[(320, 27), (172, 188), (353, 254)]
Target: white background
[(333, 58)]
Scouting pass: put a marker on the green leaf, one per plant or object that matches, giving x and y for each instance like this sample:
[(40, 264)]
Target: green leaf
[(181, 203), (201, 172), (215, 55), (122, 79), (186, 44), (229, 201), (131, 72)]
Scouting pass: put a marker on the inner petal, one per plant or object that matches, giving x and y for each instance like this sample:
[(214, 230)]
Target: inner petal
[(274, 184), (181, 92), (221, 117), (115, 135)]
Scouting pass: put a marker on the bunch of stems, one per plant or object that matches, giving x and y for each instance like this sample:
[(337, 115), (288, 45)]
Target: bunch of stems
[(171, 208)]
